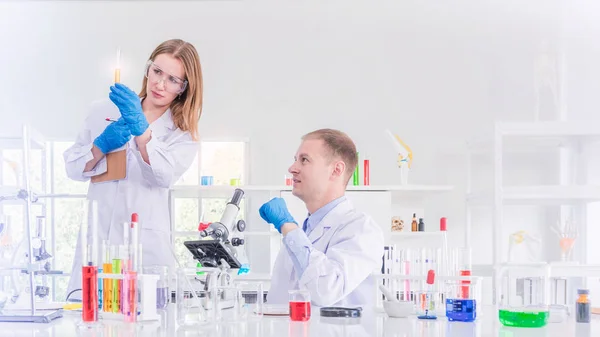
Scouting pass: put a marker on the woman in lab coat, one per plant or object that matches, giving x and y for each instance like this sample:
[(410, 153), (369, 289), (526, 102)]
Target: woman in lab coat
[(157, 130)]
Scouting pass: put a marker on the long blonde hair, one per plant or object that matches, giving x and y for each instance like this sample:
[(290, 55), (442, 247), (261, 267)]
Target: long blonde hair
[(187, 107)]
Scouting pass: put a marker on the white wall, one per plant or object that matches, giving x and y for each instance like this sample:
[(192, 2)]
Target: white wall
[(435, 72)]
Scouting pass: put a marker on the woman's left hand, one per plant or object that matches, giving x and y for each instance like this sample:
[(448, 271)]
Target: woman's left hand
[(130, 106)]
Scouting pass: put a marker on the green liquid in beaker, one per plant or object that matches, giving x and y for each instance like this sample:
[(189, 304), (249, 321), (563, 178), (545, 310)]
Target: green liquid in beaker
[(523, 317)]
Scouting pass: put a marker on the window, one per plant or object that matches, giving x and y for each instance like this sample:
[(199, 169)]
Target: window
[(223, 160)]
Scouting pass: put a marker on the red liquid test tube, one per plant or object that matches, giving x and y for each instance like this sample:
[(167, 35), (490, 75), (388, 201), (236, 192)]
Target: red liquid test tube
[(464, 290), (366, 172), (89, 289), (89, 269)]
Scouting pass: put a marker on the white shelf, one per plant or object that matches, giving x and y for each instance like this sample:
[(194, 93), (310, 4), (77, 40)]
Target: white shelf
[(415, 235), (541, 195), (548, 129), (518, 146), (226, 190), (536, 137), (561, 269)]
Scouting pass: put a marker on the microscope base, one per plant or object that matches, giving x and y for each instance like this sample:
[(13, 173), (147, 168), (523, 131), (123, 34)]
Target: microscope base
[(40, 316)]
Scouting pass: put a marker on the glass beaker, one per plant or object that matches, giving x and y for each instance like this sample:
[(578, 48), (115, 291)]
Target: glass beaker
[(195, 304), (232, 300), (462, 297), (163, 293), (299, 305), (425, 303), (253, 298), (523, 295)]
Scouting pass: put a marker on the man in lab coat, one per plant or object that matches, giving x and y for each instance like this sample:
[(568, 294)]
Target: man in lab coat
[(333, 253)]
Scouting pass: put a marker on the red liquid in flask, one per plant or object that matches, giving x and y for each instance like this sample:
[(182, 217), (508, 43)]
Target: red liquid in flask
[(89, 288), (300, 311)]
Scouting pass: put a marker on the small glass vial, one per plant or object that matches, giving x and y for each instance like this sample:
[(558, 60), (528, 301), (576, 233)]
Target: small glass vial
[(582, 306), (421, 225)]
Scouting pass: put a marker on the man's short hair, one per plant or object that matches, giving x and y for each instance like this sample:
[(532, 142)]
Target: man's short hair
[(340, 145)]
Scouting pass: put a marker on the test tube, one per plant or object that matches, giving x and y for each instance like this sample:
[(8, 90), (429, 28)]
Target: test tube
[(259, 299), (392, 282), (89, 286), (366, 172), (117, 268), (118, 67), (108, 283), (130, 291), (355, 175), (405, 270), (101, 270), (464, 269), (139, 267)]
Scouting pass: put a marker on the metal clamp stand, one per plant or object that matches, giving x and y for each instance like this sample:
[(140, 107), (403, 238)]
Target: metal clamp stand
[(34, 267)]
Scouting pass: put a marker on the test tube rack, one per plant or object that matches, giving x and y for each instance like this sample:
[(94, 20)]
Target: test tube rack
[(147, 284), (417, 287)]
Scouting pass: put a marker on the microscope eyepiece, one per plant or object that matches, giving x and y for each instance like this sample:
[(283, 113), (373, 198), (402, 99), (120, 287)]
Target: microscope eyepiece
[(237, 197)]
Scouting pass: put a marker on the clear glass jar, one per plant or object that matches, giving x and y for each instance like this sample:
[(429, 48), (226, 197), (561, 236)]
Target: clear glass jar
[(523, 295), (163, 292)]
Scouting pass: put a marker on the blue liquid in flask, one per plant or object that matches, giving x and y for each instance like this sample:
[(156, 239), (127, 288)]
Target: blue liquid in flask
[(461, 310)]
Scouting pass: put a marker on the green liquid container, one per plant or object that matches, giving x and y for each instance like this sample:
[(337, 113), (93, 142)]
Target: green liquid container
[(524, 317), (355, 176)]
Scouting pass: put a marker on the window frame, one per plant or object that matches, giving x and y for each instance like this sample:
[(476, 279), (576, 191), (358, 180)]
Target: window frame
[(245, 178)]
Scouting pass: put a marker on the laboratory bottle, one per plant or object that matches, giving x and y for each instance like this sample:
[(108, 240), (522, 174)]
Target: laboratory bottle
[(582, 306), (414, 225)]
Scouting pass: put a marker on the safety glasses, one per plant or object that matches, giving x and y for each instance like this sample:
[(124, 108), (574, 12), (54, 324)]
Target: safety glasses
[(173, 84)]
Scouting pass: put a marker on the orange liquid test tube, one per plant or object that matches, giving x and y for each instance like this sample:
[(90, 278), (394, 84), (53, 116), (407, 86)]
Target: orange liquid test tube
[(108, 288)]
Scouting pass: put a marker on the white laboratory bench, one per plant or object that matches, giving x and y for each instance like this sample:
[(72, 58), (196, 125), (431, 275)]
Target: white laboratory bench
[(373, 324)]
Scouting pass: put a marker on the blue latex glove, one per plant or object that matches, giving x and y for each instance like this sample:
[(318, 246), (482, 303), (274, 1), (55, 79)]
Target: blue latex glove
[(130, 106), (275, 212), (113, 137)]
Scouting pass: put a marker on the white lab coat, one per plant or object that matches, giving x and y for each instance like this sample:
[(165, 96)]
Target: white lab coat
[(348, 248), (145, 190)]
